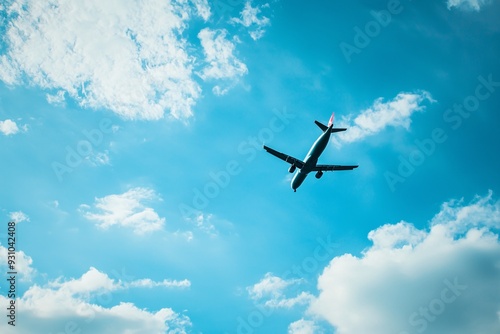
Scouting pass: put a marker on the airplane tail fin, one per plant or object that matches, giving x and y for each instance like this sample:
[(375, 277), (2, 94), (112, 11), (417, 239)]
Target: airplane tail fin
[(323, 127), (330, 122)]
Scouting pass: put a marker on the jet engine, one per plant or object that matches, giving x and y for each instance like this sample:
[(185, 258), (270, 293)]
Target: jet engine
[(292, 168), (319, 174)]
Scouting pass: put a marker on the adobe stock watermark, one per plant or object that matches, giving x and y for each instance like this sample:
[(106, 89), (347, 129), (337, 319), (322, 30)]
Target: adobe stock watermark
[(454, 117), (247, 150), (363, 37), (75, 155), (309, 265), (427, 314)]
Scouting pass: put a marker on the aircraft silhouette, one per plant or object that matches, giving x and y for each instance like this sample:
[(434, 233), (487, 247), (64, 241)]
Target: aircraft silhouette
[(310, 161)]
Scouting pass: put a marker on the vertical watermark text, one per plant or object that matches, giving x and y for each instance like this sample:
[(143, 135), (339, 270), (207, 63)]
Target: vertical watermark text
[(11, 273)]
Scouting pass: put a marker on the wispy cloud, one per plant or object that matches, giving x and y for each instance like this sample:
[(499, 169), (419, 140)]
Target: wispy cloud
[(96, 159), (19, 216), (271, 291), (249, 18), (396, 113), (222, 64), (411, 280), (148, 283), (202, 9), (467, 4), (57, 99), (204, 223), (128, 210)]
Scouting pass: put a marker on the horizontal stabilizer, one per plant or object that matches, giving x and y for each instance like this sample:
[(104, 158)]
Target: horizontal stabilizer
[(338, 129), (321, 126)]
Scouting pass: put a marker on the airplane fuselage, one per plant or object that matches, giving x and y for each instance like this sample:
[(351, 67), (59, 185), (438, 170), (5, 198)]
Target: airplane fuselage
[(311, 159), (310, 163)]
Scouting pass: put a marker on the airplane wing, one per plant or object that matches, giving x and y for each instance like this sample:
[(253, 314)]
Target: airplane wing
[(325, 168), (291, 160)]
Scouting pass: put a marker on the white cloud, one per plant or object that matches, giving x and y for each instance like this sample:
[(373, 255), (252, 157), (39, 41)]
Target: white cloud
[(393, 236), (222, 63), (204, 222), (441, 280), (303, 327), (23, 263), (8, 127), (202, 8), (148, 283), (18, 217), (467, 4), (126, 56), (85, 304), (249, 18), (380, 115), (98, 158), (93, 281), (270, 290), (270, 285), (482, 211), (57, 99), (127, 210)]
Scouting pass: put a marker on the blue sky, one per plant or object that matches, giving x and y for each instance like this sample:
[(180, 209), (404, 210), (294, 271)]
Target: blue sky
[(131, 136)]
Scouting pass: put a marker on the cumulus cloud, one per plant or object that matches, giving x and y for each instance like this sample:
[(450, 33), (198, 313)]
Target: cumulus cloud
[(271, 291), (396, 113), (8, 127), (126, 56), (467, 4), (84, 304), (127, 210), (443, 279), (303, 327), (249, 18)]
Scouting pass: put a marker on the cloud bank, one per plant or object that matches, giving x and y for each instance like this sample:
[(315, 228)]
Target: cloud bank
[(86, 304), (440, 280)]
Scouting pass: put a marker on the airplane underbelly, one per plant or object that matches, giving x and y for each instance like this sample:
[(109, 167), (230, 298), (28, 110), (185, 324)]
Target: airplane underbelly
[(297, 180)]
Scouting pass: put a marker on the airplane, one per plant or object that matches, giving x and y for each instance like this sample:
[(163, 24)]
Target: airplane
[(310, 162)]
